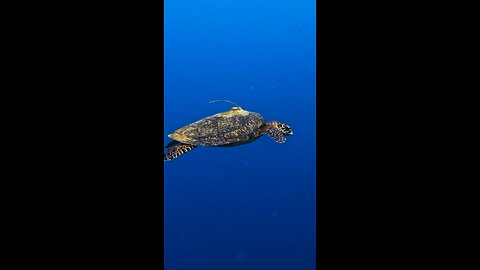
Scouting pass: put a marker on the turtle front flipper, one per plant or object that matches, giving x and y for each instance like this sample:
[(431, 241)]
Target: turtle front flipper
[(277, 131), (177, 150)]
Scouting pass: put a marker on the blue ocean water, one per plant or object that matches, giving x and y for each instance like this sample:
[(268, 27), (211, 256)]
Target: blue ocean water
[(251, 206)]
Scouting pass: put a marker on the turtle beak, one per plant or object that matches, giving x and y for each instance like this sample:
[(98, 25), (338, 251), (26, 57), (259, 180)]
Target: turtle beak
[(288, 132)]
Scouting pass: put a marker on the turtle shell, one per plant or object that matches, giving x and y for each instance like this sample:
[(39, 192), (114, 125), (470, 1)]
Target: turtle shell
[(233, 127)]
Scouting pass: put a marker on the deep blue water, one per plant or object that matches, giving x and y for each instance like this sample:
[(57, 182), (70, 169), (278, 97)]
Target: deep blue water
[(252, 206)]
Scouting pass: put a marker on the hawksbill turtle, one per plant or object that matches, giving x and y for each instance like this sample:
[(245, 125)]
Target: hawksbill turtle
[(230, 128)]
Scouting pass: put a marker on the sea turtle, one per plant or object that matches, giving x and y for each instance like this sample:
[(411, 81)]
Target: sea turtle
[(230, 128)]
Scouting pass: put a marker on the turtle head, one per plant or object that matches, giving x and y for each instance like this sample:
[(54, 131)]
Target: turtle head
[(284, 128)]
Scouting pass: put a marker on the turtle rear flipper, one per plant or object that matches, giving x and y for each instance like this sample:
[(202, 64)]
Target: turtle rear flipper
[(177, 150), (172, 143)]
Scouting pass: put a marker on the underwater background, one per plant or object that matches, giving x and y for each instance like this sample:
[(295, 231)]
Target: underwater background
[(252, 206)]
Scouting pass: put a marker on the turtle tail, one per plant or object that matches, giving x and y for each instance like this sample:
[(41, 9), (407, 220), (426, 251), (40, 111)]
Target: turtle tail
[(177, 150)]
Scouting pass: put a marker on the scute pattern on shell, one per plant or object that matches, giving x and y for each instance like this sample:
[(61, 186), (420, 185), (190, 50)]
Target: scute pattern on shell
[(221, 129)]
